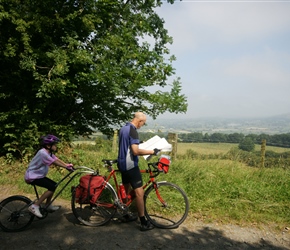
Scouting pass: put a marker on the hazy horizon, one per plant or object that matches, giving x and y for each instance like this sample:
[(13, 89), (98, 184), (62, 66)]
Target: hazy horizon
[(171, 116)]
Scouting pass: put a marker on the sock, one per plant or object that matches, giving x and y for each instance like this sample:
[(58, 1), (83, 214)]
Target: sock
[(143, 220)]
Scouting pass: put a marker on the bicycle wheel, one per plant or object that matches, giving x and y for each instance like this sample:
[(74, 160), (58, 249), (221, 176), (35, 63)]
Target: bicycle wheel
[(95, 214), (166, 206), (14, 214)]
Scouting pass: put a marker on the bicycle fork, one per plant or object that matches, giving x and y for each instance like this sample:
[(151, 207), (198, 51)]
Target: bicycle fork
[(163, 202)]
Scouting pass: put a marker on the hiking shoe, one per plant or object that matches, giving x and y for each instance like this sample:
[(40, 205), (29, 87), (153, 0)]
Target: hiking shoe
[(129, 217), (34, 209), (52, 208), (146, 227)]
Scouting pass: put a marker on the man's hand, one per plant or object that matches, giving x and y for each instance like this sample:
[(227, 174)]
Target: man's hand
[(156, 151)]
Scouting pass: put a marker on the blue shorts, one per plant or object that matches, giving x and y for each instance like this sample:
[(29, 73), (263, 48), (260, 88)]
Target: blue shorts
[(133, 177), (45, 183)]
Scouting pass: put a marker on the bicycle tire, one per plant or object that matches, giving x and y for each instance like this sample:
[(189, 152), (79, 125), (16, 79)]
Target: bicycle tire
[(96, 214), (172, 211), (14, 214)]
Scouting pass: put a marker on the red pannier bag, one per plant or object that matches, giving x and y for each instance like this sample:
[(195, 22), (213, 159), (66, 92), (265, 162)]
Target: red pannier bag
[(164, 163), (89, 188), (81, 195)]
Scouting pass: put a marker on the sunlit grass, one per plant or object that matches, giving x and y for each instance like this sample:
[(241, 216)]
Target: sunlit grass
[(205, 148), (230, 191)]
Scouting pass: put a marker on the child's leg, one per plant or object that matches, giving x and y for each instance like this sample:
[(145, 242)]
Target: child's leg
[(47, 195)]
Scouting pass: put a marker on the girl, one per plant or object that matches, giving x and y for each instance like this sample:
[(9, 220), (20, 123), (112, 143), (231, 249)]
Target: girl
[(38, 169)]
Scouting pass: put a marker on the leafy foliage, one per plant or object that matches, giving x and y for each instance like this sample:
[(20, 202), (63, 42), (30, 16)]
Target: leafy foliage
[(247, 144), (68, 67)]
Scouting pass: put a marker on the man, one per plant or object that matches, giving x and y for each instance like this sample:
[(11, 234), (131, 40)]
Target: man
[(128, 163)]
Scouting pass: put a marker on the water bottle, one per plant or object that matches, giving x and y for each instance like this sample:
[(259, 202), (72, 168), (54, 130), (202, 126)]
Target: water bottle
[(123, 191)]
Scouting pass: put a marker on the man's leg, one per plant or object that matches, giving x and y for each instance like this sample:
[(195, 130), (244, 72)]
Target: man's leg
[(140, 201), (145, 225)]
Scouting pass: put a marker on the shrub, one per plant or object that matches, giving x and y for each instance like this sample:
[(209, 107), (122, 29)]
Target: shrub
[(247, 144)]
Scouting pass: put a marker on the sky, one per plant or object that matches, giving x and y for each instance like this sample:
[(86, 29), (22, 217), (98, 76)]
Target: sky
[(233, 57)]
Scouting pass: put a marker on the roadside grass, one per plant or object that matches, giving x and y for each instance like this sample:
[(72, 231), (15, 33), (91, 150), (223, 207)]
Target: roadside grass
[(230, 192), (219, 190)]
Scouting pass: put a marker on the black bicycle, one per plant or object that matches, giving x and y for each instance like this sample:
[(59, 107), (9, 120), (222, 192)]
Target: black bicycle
[(14, 213)]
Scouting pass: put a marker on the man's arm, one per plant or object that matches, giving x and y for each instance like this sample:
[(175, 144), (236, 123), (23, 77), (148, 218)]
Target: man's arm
[(137, 151)]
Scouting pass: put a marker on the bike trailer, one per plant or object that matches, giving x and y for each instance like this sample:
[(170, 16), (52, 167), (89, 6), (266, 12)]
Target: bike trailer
[(89, 188), (163, 163)]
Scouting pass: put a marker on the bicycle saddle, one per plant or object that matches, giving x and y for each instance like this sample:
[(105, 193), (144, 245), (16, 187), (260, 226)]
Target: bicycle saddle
[(109, 162)]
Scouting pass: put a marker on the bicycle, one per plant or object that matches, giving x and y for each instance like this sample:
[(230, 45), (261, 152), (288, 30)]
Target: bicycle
[(14, 214), (166, 204)]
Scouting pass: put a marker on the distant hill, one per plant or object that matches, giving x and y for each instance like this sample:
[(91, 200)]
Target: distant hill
[(279, 124)]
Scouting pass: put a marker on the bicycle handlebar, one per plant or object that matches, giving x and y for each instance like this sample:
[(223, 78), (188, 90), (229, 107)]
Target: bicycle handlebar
[(153, 164), (85, 169)]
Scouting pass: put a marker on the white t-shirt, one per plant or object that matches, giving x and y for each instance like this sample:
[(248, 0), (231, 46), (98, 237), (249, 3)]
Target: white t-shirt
[(39, 165)]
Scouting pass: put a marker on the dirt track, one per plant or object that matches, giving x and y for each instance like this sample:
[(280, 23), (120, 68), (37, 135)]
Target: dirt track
[(61, 230)]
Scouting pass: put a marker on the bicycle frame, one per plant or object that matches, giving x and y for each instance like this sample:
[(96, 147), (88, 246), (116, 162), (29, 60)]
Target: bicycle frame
[(130, 199), (80, 170), (165, 204)]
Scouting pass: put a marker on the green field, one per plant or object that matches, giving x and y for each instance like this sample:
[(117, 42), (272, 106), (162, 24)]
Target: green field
[(219, 148), (205, 148)]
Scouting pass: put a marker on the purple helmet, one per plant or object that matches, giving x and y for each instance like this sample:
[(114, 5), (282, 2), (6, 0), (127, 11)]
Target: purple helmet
[(49, 140)]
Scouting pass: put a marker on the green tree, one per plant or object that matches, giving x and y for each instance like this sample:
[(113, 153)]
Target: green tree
[(68, 67), (218, 137), (235, 137), (195, 137), (247, 144)]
